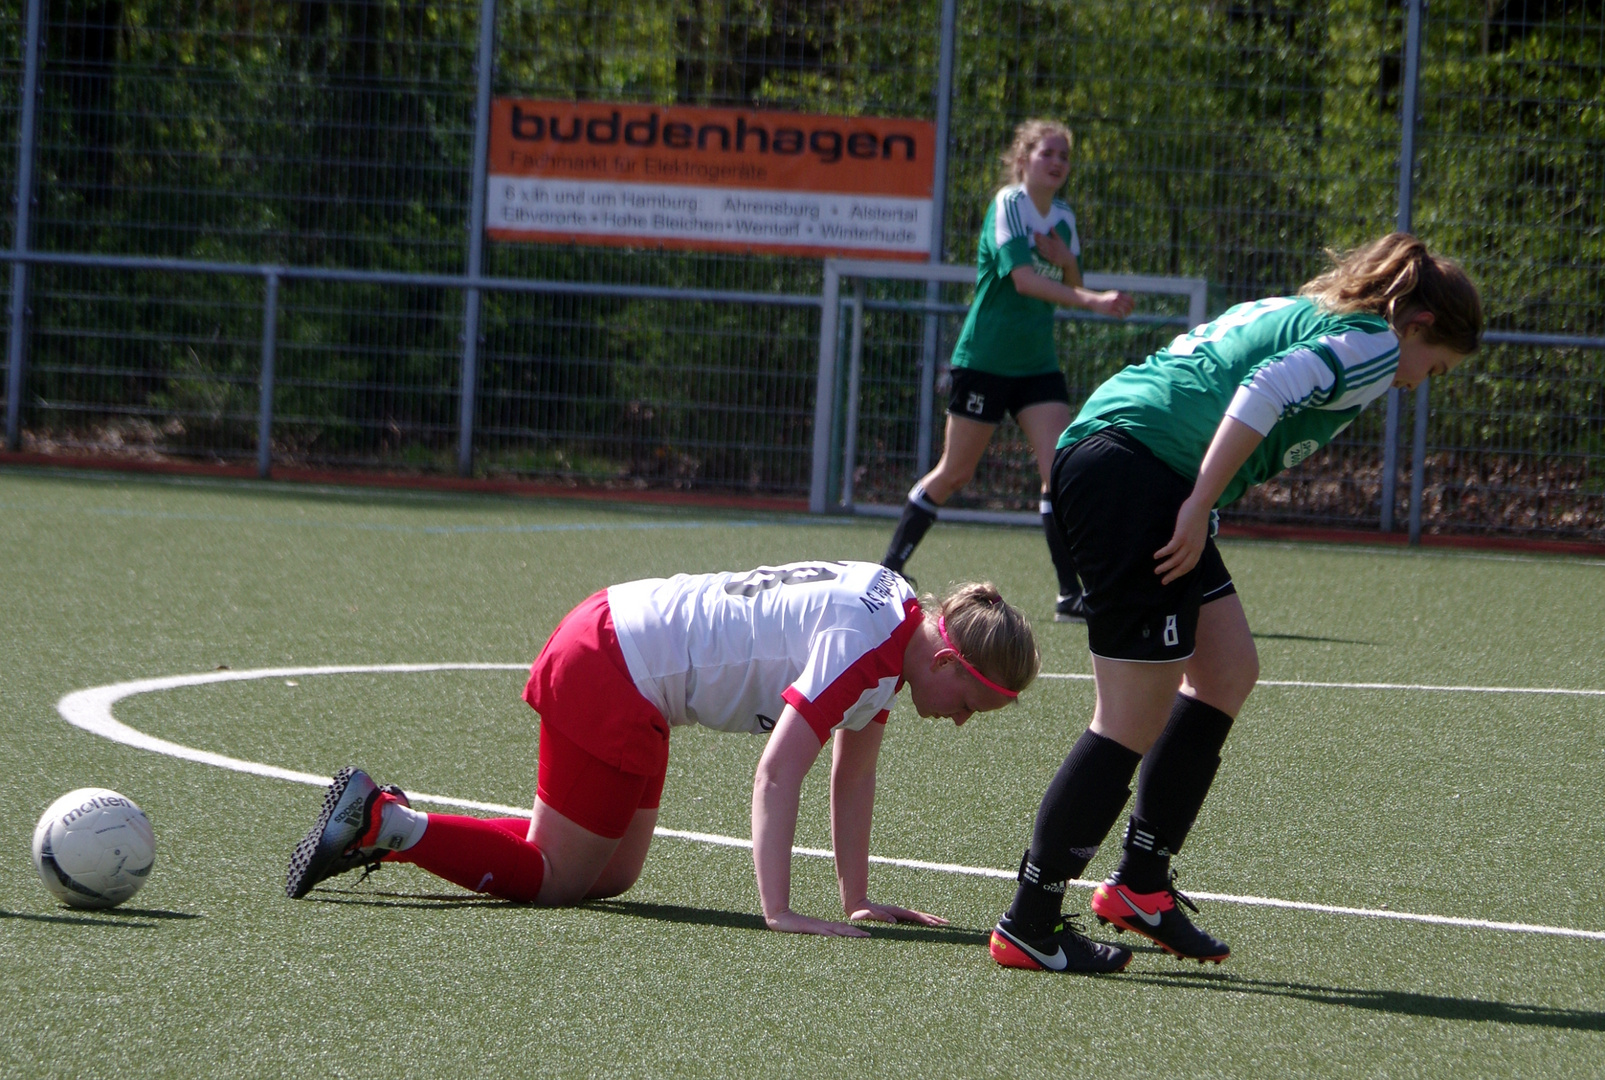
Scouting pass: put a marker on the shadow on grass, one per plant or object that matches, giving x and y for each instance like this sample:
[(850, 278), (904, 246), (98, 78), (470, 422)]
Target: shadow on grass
[(1401, 1002), (1308, 637), (672, 913), (427, 901), (125, 918), (743, 920)]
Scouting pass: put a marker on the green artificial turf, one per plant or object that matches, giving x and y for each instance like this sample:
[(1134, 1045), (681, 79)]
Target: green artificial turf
[(1475, 805)]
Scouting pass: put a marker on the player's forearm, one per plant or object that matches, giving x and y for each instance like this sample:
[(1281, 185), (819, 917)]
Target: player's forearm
[(776, 793), (1028, 282), (1231, 446), (774, 827), (852, 808)]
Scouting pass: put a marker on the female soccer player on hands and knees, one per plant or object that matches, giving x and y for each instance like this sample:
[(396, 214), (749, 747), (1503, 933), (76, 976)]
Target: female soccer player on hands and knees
[(799, 652), (1153, 452), (1005, 359)]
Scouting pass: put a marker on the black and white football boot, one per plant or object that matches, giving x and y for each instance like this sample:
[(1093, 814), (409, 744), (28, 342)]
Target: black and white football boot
[(332, 846)]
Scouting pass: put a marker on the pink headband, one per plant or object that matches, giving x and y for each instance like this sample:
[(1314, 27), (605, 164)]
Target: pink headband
[(941, 628)]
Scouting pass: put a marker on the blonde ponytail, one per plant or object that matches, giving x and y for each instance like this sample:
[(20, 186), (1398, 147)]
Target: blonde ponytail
[(990, 633)]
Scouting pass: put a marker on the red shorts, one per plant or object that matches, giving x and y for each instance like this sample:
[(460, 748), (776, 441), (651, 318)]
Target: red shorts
[(604, 748), (587, 790)]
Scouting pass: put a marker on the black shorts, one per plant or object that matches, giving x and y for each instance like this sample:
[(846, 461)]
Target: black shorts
[(1117, 503), (985, 397)]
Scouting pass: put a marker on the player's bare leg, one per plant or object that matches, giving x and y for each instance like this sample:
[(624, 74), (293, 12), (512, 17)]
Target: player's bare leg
[(575, 856), (624, 868), (1134, 700), (966, 441), (1225, 664)]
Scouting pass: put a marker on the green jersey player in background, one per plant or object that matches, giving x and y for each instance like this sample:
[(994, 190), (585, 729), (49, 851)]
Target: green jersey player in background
[(1153, 452), (1005, 360)]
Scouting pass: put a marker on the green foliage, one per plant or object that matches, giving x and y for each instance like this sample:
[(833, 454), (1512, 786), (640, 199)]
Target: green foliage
[(1231, 141)]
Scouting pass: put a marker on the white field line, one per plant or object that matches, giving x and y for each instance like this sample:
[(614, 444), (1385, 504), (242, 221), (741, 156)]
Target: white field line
[(91, 710)]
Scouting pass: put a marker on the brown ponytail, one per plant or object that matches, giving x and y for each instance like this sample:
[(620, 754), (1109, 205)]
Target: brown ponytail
[(989, 633), (1396, 277)]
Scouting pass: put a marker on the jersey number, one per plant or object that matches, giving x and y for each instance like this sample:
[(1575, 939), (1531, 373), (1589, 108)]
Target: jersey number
[(765, 578), (1241, 315)]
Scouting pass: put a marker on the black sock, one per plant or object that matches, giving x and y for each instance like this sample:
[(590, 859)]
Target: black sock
[(1175, 778), (919, 514), (1059, 551), (1077, 812)]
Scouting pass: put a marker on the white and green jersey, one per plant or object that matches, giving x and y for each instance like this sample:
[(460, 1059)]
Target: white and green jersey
[(1006, 333), (1292, 372)]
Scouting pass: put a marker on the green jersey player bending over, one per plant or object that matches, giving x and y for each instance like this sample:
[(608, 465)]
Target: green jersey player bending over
[(1153, 451)]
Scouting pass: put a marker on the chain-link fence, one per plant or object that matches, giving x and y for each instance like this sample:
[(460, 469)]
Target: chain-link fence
[(1226, 141)]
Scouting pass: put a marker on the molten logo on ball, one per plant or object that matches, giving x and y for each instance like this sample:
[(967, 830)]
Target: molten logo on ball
[(93, 848)]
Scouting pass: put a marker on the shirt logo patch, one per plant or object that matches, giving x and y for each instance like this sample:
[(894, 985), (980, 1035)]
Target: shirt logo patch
[(1048, 270), (1298, 452), (767, 723)]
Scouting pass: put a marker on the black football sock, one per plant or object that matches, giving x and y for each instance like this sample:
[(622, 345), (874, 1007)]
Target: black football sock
[(919, 514), (1175, 778), (1077, 812), (1059, 551)]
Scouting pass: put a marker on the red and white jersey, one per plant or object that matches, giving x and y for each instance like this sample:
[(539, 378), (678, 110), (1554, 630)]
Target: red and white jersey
[(731, 650)]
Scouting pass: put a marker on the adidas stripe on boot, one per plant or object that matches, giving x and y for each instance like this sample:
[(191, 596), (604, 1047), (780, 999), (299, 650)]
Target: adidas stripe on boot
[(330, 847)]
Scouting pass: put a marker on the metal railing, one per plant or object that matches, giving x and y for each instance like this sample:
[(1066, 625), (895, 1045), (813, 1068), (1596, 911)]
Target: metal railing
[(836, 459), (339, 152), (273, 275)]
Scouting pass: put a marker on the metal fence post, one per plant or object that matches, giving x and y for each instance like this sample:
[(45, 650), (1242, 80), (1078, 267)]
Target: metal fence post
[(1418, 462), (1404, 222), (476, 239), (933, 289), (855, 382), (17, 339), (270, 344), (825, 390), (1390, 459)]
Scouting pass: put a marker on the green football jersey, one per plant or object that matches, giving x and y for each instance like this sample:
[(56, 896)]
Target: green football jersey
[(1006, 333), (1297, 374)]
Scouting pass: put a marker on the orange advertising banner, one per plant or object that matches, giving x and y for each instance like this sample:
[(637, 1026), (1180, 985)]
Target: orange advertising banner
[(710, 179)]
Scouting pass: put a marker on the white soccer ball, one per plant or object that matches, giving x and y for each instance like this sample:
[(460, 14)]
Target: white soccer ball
[(93, 848)]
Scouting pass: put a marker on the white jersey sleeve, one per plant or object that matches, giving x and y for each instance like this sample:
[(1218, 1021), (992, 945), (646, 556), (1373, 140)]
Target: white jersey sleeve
[(1306, 378), (731, 650)]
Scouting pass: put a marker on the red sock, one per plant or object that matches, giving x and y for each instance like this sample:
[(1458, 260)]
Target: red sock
[(518, 826), (485, 856)]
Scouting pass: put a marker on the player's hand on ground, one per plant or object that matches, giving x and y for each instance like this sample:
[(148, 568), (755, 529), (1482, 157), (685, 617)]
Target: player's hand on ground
[(1186, 545), (789, 922), (891, 913), (1114, 303)]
